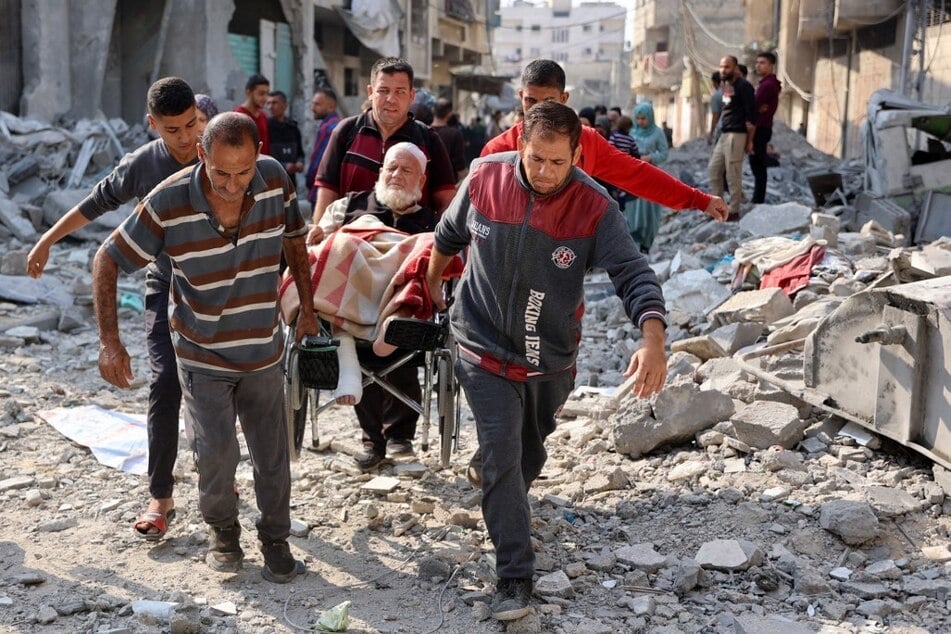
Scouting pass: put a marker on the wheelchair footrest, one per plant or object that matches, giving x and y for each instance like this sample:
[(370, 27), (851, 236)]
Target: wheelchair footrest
[(413, 334), (317, 362)]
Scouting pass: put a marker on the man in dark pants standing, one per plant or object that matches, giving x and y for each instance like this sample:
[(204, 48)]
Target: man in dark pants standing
[(534, 223), (767, 100), (736, 134), (352, 163), (224, 224), (171, 106)]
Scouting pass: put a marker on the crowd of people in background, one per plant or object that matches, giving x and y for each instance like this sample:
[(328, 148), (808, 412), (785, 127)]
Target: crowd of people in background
[(219, 218)]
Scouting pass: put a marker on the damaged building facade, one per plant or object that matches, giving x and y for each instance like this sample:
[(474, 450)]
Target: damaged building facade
[(833, 55), (78, 60)]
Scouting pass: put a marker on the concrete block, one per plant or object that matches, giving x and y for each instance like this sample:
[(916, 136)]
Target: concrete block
[(728, 377), (735, 336), (762, 424), (681, 364), (556, 584), (773, 220), (826, 227), (680, 411), (891, 502), (887, 214), (729, 555), (762, 306), (703, 347), (641, 556), (694, 292), (20, 226), (852, 521)]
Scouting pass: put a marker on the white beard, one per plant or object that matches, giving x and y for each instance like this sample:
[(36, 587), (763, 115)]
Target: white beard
[(395, 198)]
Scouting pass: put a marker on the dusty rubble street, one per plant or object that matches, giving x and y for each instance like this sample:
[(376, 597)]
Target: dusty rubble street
[(724, 505)]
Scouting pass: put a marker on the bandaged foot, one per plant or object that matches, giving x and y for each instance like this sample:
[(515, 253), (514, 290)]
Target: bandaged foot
[(349, 383)]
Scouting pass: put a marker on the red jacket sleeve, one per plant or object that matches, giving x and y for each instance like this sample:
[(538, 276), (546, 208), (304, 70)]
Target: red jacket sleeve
[(606, 163)]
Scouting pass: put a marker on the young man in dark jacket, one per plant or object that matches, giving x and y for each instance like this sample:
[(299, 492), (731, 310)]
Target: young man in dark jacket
[(533, 224)]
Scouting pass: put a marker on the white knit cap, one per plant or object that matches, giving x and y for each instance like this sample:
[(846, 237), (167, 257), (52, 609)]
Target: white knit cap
[(409, 148)]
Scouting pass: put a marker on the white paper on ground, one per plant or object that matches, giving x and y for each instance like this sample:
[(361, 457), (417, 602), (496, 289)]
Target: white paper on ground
[(118, 440)]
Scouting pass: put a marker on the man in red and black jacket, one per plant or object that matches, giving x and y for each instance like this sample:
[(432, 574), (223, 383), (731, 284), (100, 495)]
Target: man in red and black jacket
[(352, 163), (544, 80)]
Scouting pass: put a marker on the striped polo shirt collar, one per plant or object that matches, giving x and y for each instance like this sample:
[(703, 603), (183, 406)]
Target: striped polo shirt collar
[(366, 122)]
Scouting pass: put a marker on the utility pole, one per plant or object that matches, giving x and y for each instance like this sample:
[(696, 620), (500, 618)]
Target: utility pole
[(907, 50)]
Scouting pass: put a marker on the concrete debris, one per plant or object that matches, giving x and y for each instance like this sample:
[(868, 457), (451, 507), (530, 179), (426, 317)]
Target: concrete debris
[(678, 413), (818, 529), (763, 424), (762, 306), (776, 220), (851, 520), (729, 555)]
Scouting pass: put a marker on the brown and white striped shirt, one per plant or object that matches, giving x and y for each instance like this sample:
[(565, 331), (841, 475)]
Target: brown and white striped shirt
[(223, 310)]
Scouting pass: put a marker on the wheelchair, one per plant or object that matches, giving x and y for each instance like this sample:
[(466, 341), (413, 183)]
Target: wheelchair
[(312, 367)]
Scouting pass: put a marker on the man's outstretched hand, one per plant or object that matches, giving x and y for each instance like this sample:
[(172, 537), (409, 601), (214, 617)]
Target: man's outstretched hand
[(717, 209)]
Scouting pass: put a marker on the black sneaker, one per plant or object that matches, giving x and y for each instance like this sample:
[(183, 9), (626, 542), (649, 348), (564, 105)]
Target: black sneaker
[(474, 470), (279, 565), (396, 447), (512, 599), (224, 553), (370, 458)]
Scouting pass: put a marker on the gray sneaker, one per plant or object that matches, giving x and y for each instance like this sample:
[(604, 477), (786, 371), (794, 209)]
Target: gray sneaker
[(512, 599), (224, 553)]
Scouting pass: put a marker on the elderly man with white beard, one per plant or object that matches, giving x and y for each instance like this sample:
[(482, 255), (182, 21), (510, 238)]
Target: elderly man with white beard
[(394, 201)]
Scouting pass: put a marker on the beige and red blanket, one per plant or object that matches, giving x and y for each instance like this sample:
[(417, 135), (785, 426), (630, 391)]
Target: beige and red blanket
[(365, 272)]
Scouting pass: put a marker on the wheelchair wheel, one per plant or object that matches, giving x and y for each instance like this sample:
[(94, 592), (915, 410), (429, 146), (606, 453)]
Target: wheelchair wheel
[(446, 407), (295, 407)]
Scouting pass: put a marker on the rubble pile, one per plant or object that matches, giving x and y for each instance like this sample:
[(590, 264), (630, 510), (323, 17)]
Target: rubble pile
[(723, 504)]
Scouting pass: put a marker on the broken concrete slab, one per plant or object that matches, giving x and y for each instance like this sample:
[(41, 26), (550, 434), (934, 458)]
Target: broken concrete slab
[(703, 347), (891, 502), (58, 203), (774, 220), (733, 337), (556, 584), (20, 226), (727, 376), (694, 292), (641, 556), (762, 424), (852, 521), (729, 555), (763, 306), (680, 411)]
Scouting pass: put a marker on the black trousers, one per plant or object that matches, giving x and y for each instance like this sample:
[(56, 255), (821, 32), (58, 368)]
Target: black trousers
[(758, 162), (382, 416), (165, 396)]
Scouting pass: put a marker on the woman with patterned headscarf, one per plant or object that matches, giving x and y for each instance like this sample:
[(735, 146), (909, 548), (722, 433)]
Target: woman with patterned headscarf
[(643, 216), (207, 108)]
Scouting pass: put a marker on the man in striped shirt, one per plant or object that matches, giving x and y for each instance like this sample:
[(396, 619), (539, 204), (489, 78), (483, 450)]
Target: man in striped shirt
[(223, 224)]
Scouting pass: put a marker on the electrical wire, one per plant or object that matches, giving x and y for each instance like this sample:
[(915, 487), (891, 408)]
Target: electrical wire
[(937, 43), (438, 536)]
